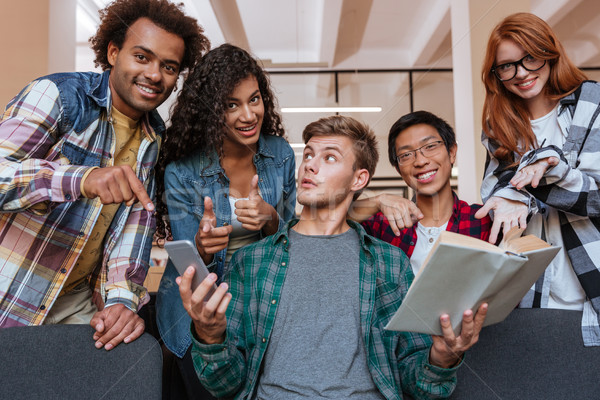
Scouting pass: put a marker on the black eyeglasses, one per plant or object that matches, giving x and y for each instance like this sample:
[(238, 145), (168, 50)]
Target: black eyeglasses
[(505, 72), (428, 150)]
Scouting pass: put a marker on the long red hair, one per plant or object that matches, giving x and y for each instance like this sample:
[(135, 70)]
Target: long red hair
[(506, 118)]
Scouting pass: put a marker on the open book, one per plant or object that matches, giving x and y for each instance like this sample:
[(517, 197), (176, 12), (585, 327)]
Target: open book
[(462, 272)]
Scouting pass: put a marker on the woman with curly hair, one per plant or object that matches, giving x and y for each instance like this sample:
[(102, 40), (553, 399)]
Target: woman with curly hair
[(541, 134), (229, 175)]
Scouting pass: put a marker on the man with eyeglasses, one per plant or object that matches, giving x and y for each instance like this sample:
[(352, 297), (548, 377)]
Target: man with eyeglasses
[(422, 147)]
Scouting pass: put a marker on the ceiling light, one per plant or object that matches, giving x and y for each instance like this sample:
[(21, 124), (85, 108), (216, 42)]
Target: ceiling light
[(329, 109)]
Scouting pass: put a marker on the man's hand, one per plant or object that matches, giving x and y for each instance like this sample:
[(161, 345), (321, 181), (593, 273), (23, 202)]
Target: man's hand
[(255, 213), (116, 324), (399, 211), (532, 174), (448, 349), (210, 239), (114, 185), (507, 214), (209, 318)]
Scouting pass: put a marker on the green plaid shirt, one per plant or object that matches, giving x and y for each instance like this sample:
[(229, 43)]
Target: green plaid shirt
[(398, 361)]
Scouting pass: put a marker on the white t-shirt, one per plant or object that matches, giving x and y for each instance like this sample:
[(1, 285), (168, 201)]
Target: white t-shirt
[(239, 236), (565, 290), (426, 237)]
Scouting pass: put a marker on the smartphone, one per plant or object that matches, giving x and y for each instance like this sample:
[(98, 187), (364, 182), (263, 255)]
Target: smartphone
[(183, 253)]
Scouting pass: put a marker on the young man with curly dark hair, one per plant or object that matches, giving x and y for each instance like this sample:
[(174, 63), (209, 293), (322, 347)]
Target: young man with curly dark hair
[(77, 152)]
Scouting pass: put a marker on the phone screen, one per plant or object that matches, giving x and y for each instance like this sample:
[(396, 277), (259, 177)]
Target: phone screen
[(183, 253)]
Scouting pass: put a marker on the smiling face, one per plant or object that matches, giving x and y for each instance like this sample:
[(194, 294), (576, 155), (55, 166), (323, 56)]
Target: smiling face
[(327, 176), (528, 85), (244, 113), (428, 176), (145, 69)]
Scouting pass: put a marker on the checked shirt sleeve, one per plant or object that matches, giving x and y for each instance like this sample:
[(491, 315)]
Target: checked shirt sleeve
[(28, 131), (563, 187), (221, 368), (497, 176), (128, 262)]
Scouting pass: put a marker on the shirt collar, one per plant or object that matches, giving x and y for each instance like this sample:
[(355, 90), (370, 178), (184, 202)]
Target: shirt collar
[(365, 240)]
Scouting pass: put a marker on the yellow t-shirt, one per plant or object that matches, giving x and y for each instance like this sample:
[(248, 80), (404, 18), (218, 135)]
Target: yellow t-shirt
[(128, 135)]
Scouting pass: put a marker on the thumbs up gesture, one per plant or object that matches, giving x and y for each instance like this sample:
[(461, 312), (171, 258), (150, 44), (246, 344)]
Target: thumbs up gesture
[(210, 239), (255, 213)]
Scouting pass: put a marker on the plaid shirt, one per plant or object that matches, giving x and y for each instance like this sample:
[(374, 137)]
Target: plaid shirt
[(51, 133), (398, 361), (571, 187), (461, 221)]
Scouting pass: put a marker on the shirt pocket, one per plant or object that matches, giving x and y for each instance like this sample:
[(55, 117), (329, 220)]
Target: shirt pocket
[(77, 155)]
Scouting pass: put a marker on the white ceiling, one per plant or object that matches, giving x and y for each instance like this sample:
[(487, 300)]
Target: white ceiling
[(366, 34)]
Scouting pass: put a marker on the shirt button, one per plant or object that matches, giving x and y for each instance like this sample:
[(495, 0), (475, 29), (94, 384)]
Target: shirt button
[(283, 264), (225, 195), (543, 210), (284, 241), (42, 307), (63, 270), (264, 340), (68, 196), (412, 243), (430, 240), (225, 224), (273, 301)]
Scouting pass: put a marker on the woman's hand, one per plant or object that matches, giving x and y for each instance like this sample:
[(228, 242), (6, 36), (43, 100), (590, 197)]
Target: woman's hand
[(507, 214), (532, 174), (211, 239), (256, 214)]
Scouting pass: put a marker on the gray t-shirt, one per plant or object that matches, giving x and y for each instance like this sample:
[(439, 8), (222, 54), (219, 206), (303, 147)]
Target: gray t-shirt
[(316, 348)]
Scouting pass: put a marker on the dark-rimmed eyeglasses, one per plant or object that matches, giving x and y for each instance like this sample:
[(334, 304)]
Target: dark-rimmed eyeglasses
[(507, 71), (428, 150)]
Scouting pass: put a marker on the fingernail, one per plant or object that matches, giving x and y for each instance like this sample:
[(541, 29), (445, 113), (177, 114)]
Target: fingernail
[(189, 270), (98, 327), (213, 277), (224, 285), (150, 207), (98, 345), (108, 346), (126, 340)]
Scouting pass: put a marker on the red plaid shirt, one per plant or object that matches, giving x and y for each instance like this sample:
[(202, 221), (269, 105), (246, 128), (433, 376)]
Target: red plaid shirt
[(462, 221)]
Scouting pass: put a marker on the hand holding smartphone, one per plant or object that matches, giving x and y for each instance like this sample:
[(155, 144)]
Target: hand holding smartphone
[(183, 253)]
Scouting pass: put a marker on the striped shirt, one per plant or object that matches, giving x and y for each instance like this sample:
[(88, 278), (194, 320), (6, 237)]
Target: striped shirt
[(572, 188), (51, 133), (397, 361)]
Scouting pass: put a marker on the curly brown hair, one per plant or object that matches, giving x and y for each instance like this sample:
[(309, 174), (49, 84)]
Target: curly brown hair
[(198, 119), (119, 15)]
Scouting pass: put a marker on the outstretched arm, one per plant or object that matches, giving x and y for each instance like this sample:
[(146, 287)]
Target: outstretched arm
[(399, 211)]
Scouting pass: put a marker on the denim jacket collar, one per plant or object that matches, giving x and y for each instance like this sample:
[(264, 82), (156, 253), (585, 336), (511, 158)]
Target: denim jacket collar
[(99, 90)]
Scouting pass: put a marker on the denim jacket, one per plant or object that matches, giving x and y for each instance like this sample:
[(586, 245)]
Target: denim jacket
[(51, 133), (187, 182)]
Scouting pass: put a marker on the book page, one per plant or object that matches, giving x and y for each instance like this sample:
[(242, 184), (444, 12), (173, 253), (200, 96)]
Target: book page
[(453, 280), (461, 273)]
